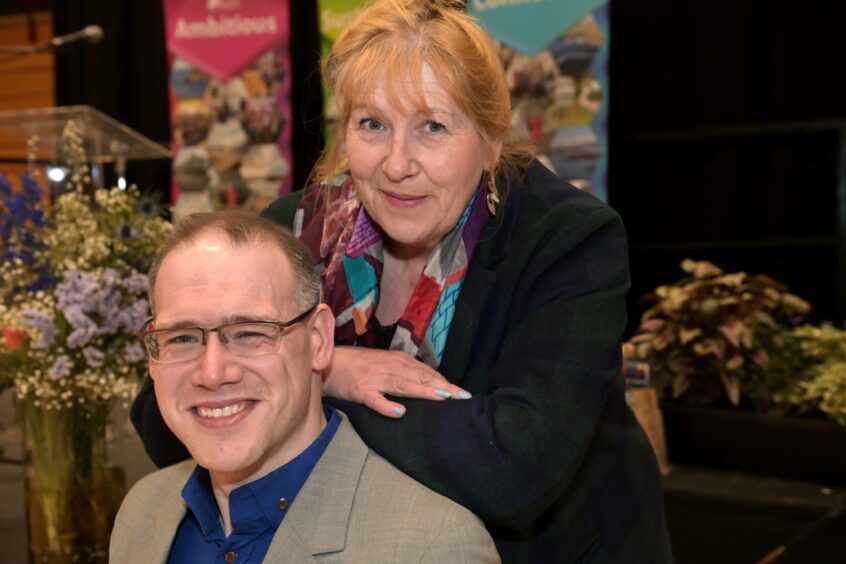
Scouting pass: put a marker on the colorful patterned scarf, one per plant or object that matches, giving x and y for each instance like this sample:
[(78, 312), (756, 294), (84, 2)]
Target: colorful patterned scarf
[(347, 246)]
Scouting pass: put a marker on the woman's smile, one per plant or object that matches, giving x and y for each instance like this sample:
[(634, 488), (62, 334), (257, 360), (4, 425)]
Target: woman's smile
[(399, 200)]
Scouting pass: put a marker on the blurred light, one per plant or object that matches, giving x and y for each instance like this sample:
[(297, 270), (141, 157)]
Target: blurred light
[(122, 183), (55, 173)]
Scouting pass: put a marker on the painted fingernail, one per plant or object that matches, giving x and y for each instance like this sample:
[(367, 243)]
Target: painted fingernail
[(443, 393), (399, 410), (464, 395)]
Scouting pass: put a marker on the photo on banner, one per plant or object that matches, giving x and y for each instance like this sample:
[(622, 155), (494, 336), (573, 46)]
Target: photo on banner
[(230, 103), (555, 54)]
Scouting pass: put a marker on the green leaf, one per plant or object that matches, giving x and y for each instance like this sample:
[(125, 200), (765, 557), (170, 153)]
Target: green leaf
[(651, 325), (731, 331), (680, 385), (687, 335), (732, 387), (795, 303), (708, 347), (660, 342), (735, 363), (709, 306), (760, 357)]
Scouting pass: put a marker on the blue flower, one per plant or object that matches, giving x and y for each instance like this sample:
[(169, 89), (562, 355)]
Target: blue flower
[(148, 207), (20, 215), (126, 231)]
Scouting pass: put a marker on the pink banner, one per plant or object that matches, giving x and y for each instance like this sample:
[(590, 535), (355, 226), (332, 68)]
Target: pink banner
[(230, 102)]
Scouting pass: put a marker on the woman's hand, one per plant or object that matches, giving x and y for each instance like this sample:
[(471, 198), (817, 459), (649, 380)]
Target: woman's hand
[(364, 375)]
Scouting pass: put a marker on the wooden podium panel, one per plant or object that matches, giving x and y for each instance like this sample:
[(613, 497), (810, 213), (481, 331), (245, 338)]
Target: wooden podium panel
[(26, 81)]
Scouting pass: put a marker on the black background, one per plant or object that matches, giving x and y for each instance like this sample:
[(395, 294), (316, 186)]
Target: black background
[(723, 131)]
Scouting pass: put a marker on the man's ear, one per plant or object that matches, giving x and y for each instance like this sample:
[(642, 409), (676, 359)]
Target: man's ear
[(322, 337)]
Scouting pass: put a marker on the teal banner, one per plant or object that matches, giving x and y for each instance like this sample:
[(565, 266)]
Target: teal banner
[(530, 25), (555, 54)]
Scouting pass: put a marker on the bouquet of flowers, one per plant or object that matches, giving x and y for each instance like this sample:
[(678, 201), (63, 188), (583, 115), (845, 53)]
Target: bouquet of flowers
[(73, 296), (74, 293)]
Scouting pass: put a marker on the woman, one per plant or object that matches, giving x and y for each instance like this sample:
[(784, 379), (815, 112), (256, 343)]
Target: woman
[(481, 272)]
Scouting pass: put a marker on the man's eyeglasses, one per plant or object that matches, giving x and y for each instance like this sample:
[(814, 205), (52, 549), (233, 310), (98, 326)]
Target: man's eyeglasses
[(244, 338)]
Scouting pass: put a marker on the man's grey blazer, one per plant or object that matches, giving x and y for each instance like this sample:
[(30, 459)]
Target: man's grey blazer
[(354, 507)]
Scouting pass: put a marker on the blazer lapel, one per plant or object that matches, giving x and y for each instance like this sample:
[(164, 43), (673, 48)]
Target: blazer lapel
[(475, 292), (154, 546), (318, 519), (288, 547)]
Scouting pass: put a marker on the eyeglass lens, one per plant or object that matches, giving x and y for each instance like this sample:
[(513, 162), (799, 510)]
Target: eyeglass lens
[(242, 339)]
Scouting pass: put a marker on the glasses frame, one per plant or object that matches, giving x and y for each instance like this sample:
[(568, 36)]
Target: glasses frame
[(145, 334)]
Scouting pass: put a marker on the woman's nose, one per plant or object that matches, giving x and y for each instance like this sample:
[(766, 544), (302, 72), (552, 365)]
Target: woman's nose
[(216, 366), (399, 162)]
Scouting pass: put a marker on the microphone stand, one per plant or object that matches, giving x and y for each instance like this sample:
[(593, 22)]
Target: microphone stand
[(91, 34)]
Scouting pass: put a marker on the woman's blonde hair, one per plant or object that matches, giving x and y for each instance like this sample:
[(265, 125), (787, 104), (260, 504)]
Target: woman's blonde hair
[(391, 41)]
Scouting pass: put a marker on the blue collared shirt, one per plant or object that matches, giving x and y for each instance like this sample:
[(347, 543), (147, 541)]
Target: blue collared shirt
[(256, 509)]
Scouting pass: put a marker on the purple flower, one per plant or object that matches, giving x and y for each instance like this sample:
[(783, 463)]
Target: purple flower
[(111, 277), (76, 288), (77, 318), (111, 323), (61, 367), (138, 314), (134, 353), (43, 323), (81, 336), (94, 357), (136, 283), (107, 301)]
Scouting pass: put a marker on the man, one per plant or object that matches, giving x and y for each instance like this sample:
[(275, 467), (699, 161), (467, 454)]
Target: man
[(237, 343)]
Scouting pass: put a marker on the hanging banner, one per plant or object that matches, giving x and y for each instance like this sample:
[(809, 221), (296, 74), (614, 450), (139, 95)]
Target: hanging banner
[(334, 16), (230, 108), (555, 54), (530, 25)]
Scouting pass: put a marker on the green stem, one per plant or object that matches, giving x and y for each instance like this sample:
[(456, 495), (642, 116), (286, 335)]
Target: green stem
[(69, 491)]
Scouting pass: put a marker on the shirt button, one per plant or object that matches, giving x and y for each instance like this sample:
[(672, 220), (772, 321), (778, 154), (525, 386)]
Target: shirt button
[(282, 504), (230, 557)]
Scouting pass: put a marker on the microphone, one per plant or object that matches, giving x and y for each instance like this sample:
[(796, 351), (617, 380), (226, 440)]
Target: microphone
[(92, 34)]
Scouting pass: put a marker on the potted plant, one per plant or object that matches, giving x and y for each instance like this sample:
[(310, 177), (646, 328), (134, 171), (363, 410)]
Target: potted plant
[(820, 354), (730, 363)]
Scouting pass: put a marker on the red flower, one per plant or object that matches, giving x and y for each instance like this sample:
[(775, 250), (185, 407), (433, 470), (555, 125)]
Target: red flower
[(14, 338)]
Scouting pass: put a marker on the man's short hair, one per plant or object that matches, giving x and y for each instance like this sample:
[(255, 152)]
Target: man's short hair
[(242, 228)]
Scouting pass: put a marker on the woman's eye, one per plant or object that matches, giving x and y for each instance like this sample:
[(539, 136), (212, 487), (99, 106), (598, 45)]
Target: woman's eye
[(434, 127), (370, 124)]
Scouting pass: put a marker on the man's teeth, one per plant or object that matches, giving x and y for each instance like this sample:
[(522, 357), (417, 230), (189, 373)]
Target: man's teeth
[(221, 411)]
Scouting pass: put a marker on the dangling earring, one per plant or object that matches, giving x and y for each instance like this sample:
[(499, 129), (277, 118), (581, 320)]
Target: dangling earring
[(493, 193)]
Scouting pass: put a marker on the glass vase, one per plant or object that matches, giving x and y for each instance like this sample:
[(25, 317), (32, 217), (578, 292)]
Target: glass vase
[(71, 494)]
